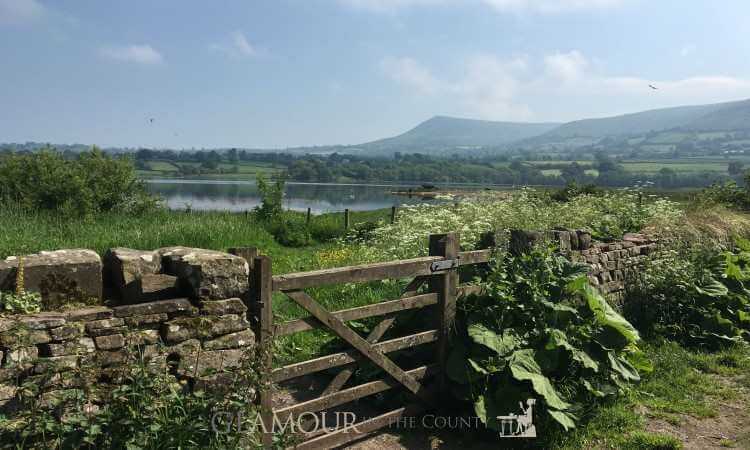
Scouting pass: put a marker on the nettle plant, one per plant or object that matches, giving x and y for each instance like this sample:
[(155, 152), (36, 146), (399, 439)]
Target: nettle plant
[(541, 332)]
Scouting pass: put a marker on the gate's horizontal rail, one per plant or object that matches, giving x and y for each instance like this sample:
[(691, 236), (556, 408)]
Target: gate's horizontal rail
[(468, 289), (358, 430), (474, 257), (406, 268), (361, 312), (348, 357), (350, 394)]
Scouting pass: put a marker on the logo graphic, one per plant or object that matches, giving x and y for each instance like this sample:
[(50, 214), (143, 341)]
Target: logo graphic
[(518, 426)]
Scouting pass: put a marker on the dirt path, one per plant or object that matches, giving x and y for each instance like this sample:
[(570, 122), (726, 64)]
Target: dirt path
[(730, 428)]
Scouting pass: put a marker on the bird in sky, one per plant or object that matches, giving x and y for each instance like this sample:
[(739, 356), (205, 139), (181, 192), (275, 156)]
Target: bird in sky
[(653, 87), (151, 120)]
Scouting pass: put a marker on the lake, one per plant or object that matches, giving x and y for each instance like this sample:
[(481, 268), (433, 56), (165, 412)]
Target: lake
[(243, 195)]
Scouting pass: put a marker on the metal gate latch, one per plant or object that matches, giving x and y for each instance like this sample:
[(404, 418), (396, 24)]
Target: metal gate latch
[(444, 265)]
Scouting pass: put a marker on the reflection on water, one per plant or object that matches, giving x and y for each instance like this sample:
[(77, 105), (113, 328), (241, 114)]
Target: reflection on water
[(243, 195)]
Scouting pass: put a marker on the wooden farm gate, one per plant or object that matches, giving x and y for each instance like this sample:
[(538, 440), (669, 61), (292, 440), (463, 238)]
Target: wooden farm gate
[(439, 271)]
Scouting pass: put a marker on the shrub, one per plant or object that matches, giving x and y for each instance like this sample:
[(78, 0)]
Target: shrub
[(572, 190), (272, 195), (694, 295), (93, 182), (541, 332), (289, 231)]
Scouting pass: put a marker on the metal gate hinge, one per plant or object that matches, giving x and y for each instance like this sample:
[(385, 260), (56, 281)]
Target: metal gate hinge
[(445, 264)]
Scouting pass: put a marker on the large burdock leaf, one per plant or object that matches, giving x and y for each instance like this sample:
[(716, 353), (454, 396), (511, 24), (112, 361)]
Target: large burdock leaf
[(461, 369), (712, 288), (563, 418), (501, 344), (604, 313), (525, 368), (557, 339), (623, 367)]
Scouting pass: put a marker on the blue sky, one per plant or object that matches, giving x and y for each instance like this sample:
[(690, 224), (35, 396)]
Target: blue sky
[(291, 72)]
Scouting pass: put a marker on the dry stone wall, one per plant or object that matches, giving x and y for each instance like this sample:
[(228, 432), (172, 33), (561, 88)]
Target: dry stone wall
[(609, 262), (194, 341)]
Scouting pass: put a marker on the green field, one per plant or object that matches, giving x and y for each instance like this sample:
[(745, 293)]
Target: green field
[(683, 166), (245, 170)]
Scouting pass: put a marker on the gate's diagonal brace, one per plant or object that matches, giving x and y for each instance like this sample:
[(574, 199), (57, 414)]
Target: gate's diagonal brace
[(342, 377), (356, 341)]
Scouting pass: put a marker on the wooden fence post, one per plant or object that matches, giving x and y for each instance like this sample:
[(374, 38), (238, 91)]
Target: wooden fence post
[(346, 219), (307, 220), (262, 288), (444, 284), (393, 215), (249, 253)]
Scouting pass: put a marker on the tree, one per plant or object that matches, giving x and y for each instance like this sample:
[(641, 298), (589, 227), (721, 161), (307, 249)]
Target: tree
[(735, 167)]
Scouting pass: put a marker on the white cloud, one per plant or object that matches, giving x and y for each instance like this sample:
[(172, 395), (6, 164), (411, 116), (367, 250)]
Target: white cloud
[(141, 54), (236, 45), (390, 5), (242, 45), (559, 86), (13, 12), (411, 73), (551, 6), (503, 6), (566, 66)]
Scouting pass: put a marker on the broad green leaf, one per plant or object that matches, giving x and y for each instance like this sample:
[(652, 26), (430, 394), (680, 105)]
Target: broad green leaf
[(461, 369), (501, 344), (712, 288), (563, 418), (557, 339), (607, 316), (480, 409), (623, 367), (638, 359), (525, 368), (589, 387)]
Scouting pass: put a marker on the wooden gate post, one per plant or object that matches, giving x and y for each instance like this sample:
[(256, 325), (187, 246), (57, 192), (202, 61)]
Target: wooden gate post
[(262, 287), (444, 284), (307, 219), (393, 215), (346, 219)]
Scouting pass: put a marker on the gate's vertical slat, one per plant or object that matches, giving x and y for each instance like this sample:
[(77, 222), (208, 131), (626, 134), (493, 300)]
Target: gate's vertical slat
[(444, 285), (262, 285)]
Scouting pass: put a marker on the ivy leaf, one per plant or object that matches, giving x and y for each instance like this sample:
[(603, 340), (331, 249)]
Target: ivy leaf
[(525, 368), (563, 418), (500, 344)]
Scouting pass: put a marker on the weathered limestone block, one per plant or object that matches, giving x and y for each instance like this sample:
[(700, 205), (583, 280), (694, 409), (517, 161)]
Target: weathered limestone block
[(149, 321), (110, 342), (222, 307), (9, 374), (88, 344), (73, 347), (6, 324), (86, 314), (123, 266), (185, 328), (21, 357), (185, 348), (584, 239), (636, 238), (207, 274), (23, 336), (67, 331), (110, 358), (43, 320), (209, 362), (521, 241), (563, 239), (7, 391), (149, 288), (239, 339), (104, 326), (142, 337), (59, 275), (56, 364), (158, 307)]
